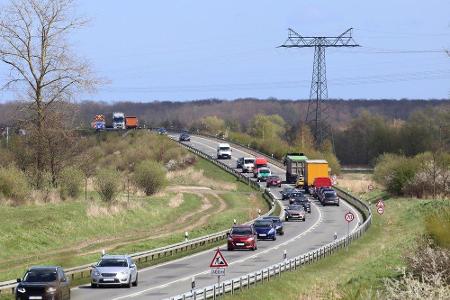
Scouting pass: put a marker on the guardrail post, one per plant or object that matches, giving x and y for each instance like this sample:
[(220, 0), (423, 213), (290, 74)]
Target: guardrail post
[(214, 292), (232, 287), (248, 281)]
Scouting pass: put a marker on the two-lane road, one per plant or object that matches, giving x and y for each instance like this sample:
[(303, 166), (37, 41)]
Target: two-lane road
[(172, 278)]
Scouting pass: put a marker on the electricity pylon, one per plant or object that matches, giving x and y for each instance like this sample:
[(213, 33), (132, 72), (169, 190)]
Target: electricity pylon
[(316, 114)]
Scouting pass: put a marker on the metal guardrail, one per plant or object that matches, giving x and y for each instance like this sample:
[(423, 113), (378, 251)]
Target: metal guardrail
[(7, 287), (264, 275)]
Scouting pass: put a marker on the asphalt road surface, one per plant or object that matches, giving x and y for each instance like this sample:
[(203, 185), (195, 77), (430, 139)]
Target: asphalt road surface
[(174, 277)]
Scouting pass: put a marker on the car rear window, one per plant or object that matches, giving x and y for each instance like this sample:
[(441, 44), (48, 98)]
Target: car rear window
[(249, 161), (330, 194)]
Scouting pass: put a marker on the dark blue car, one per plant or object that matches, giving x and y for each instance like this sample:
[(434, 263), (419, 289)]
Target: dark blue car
[(265, 229), (277, 223)]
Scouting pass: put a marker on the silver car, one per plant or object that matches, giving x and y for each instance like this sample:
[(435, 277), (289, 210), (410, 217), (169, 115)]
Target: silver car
[(114, 270)]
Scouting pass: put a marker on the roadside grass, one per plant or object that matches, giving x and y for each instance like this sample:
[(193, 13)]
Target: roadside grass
[(29, 234), (358, 273)]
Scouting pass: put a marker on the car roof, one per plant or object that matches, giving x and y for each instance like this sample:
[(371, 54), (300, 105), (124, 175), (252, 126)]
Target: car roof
[(271, 218), (252, 158), (224, 145), (43, 268), (242, 226), (115, 256)]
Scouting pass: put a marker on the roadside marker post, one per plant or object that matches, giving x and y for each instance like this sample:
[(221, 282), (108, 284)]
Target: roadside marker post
[(349, 217), (380, 210)]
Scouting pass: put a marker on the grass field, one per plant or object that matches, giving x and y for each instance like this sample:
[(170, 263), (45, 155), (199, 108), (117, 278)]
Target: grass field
[(74, 232), (358, 273)]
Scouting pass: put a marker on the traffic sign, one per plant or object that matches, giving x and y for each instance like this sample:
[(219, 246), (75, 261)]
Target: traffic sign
[(380, 203), (380, 210), (349, 216), (218, 272), (218, 261)]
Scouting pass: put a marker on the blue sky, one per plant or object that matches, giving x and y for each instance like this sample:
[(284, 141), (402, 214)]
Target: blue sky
[(186, 50)]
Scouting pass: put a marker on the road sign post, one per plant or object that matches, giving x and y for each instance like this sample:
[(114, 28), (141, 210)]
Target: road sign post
[(218, 265), (349, 217)]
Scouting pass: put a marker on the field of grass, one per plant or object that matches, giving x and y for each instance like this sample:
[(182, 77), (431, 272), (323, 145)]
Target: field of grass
[(74, 232), (358, 273)]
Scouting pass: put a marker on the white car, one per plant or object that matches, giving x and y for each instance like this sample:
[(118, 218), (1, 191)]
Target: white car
[(114, 270), (248, 165), (223, 151)]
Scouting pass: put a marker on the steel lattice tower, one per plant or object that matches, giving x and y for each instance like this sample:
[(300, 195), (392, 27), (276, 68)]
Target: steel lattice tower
[(316, 114)]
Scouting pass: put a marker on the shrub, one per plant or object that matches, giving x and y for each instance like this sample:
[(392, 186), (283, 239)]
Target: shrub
[(396, 172), (70, 182), (13, 183), (150, 176), (107, 184)]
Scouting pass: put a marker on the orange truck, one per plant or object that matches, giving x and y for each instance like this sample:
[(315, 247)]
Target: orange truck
[(131, 122)]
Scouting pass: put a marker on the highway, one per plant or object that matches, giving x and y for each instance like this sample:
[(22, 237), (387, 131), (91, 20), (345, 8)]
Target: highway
[(174, 277)]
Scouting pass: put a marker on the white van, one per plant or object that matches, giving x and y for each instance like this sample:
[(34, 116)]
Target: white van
[(223, 151)]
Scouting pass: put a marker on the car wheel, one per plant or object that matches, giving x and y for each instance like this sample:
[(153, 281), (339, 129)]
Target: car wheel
[(274, 238), (282, 233), (94, 285), (128, 285), (135, 283), (286, 219)]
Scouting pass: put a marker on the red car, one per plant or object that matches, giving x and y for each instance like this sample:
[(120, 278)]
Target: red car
[(273, 180), (242, 237)]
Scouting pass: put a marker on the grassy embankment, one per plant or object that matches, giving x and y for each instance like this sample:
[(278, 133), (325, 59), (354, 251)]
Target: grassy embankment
[(74, 232), (358, 273)]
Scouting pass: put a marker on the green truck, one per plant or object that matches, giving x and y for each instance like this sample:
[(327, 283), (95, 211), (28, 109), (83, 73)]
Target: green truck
[(295, 167)]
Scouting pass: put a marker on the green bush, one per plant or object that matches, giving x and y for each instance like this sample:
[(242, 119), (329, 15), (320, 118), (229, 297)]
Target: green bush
[(70, 182), (150, 176), (13, 183), (107, 184)]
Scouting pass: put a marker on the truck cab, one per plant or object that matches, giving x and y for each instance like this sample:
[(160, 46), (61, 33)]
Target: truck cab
[(118, 120), (223, 151)]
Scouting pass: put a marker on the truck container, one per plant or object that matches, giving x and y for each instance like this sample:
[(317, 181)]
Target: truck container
[(131, 122), (295, 167), (314, 169)]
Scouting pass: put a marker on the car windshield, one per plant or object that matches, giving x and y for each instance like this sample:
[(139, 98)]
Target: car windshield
[(288, 190), (241, 231), (113, 262), (263, 223), (224, 148), (264, 171), (297, 195), (40, 276), (295, 207), (249, 161)]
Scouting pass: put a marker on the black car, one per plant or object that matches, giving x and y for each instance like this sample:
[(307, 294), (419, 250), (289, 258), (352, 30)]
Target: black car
[(47, 283), (303, 201), (277, 223), (184, 137), (286, 192), (296, 194), (329, 197), (240, 163)]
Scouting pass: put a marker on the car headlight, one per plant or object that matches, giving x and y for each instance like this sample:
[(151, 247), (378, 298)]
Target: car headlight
[(51, 289), (21, 290), (124, 273), (96, 273), (250, 239)]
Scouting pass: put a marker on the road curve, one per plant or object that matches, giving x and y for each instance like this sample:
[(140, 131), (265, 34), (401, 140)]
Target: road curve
[(174, 277)]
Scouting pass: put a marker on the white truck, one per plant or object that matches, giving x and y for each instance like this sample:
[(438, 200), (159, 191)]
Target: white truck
[(118, 120), (223, 151)]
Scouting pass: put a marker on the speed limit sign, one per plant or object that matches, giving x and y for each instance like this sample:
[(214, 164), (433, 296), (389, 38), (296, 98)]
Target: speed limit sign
[(349, 216)]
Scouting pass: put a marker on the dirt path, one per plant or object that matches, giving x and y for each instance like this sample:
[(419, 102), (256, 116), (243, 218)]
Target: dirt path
[(183, 224)]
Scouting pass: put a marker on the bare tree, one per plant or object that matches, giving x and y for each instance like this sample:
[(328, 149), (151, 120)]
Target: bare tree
[(34, 45)]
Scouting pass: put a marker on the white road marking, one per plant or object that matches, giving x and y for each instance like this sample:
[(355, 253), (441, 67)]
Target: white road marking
[(312, 227)]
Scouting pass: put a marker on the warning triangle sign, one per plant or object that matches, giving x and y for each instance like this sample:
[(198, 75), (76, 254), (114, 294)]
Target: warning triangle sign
[(218, 260)]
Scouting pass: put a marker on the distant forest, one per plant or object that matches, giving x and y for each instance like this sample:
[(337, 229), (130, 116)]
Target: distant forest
[(362, 130), (241, 111)]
